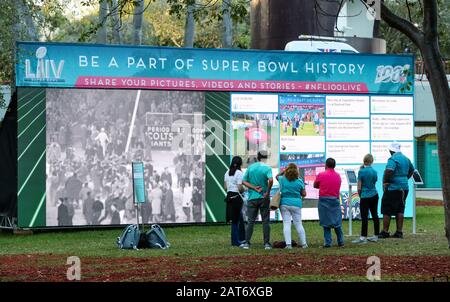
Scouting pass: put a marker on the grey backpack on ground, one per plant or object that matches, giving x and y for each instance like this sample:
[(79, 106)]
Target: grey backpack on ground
[(156, 238), (129, 238)]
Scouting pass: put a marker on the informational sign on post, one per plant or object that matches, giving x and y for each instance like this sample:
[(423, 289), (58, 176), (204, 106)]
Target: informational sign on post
[(352, 180), (351, 177), (417, 180), (138, 182)]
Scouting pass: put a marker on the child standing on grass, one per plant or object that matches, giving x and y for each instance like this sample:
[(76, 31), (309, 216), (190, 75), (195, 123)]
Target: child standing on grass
[(367, 178)]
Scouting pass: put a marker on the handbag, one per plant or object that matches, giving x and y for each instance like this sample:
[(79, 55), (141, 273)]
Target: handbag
[(275, 201)]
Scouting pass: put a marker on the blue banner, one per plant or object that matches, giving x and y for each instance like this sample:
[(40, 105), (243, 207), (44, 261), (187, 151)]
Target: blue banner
[(301, 162), (138, 182), (141, 67)]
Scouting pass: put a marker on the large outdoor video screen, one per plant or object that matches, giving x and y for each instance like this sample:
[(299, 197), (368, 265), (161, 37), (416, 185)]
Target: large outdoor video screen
[(86, 112), (92, 137), (308, 128)]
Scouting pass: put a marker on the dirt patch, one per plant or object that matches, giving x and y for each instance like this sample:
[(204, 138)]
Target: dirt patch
[(230, 268), (433, 203)]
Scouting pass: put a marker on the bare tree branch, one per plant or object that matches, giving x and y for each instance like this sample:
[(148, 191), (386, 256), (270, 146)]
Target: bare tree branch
[(430, 19), (402, 25), (409, 11), (337, 16)]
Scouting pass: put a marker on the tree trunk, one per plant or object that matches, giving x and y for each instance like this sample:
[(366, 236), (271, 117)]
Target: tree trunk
[(189, 29), (116, 22), (428, 43), (137, 22), (102, 13), (441, 95), (227, 34), (28, 29)]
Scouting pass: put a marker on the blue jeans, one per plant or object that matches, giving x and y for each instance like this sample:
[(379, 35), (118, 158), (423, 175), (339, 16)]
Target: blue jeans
[(329, 239)]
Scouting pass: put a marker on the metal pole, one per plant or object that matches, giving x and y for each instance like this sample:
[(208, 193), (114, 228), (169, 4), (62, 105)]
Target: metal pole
[(142, 219), (350, 212), (137, 214), (414, 210)]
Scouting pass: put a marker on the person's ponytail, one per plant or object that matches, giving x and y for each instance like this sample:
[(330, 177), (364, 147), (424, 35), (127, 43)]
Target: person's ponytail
[(236, 164)]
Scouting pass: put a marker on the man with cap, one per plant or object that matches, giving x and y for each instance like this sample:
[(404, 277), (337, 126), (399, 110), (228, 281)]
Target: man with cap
[(395, 187)]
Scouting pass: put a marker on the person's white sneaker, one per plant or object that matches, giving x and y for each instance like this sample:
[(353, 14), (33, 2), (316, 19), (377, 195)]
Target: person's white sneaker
[(360, 240), (305, 246), (245, 246), (288, 246), (267, 246), (373, 239)]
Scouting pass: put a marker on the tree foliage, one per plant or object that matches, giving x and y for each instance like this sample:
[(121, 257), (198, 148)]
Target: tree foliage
[(412, 10), (163, 23)]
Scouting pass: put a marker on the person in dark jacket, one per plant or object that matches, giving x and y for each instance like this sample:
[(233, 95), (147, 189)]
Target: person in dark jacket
[(168, 207), (97, 209), (197, 204), (88, 208), (73, 187), (166, 176), (115, 216), (63, 214), (70, 210)]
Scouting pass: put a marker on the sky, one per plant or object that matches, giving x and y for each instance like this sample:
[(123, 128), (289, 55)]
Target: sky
[(76, 10)]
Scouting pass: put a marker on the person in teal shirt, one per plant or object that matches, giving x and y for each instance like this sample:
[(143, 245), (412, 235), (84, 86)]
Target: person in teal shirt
[(258, 179), (395, 186), (292, 191), (367, 178)]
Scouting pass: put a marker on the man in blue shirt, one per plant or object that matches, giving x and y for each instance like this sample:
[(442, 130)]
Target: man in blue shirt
[(258, 179), (395, 186)]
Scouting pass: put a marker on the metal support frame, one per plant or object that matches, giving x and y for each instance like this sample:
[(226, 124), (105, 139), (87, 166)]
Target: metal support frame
[(7, 222)]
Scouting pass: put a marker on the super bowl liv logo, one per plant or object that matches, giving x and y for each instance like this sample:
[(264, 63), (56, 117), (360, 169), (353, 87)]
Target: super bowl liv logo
[(45, 70)]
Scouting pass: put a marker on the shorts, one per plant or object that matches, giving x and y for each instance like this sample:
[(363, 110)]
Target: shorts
[(393, 202)]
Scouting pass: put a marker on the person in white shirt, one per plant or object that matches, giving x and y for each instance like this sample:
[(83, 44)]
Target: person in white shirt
[(234, 202), (186, 202), (103, 138), (155, 199)]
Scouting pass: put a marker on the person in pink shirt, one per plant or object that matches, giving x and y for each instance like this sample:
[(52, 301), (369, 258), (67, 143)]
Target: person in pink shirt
[(329, 183)]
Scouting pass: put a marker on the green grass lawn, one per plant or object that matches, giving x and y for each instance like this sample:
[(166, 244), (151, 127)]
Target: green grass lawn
[(199, 241)]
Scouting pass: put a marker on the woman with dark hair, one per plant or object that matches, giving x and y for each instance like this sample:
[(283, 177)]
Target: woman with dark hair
[(233, 186), (292, 191)]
